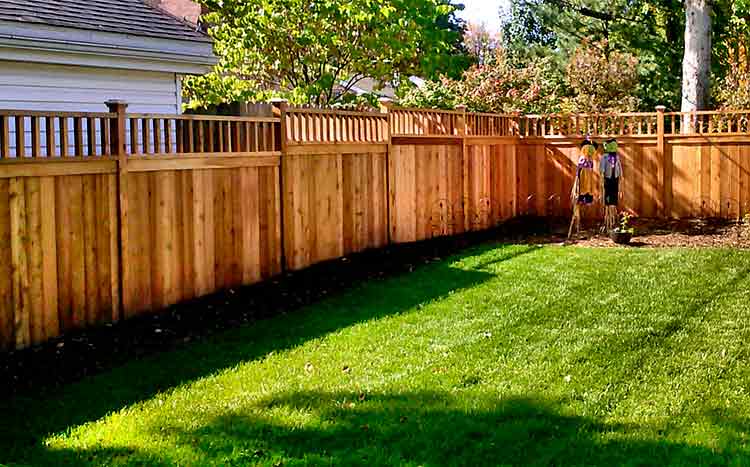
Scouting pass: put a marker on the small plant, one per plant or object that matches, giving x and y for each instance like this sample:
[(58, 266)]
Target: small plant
[(624, 233), (625, 226)]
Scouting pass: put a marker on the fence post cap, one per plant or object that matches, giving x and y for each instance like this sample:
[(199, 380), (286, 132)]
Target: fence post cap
[(279, 102), (112, 104), (385, 101), (661, 108), (279, 106), (461, 107)]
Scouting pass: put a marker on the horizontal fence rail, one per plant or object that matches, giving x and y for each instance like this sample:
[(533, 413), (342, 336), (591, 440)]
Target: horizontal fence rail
[(104, 216)]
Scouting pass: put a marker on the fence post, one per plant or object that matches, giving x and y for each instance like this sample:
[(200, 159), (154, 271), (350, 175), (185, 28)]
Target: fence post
[(117, 138), (385, 107), (665, 174), (514, 162), (280, 109), (461, 131)]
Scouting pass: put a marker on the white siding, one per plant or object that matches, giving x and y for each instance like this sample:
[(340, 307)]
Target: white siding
[(31, 86)]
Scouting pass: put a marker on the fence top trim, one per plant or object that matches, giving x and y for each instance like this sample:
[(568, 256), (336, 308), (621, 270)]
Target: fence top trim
[(592, 115), (709, 112), (489, 114), (202, 117), (33, 113), (351, 113), (432, 111)]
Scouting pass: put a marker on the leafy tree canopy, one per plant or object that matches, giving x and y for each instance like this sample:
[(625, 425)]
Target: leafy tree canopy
[(650, 30), (314, 51)]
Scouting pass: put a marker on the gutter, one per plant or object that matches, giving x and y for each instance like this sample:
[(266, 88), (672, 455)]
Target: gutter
[(182, 55)]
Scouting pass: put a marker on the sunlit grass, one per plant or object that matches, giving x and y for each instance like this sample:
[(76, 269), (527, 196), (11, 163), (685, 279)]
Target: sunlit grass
[(505, 354)]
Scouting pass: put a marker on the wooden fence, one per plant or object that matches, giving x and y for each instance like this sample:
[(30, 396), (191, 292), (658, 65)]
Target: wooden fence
[(334, 182), (107, 215)]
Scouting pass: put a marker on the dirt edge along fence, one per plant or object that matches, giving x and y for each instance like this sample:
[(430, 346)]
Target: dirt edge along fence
[(104, 216)]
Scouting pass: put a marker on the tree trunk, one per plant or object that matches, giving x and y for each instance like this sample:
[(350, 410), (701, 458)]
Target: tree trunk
[(696, 63)]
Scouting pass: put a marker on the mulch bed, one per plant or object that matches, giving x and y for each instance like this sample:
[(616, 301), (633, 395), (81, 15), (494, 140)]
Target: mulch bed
[(84, 353), (683, 233)]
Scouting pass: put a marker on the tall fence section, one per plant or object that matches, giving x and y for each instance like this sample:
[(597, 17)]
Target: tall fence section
[(107, 215)]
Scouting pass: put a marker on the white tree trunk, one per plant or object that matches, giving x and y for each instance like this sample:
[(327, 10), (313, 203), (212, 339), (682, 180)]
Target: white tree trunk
[(696, 64)]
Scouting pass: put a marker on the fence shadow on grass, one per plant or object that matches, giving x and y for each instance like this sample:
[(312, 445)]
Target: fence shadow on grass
[(422, 428), (27, 421)]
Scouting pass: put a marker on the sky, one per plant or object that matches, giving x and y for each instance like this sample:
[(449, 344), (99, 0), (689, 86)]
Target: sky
[(483, 11)]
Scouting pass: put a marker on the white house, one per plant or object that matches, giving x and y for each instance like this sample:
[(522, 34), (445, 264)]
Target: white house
[(73, 55)]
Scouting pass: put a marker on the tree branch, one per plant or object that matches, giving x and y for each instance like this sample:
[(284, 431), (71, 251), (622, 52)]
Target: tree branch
[(591, 13)]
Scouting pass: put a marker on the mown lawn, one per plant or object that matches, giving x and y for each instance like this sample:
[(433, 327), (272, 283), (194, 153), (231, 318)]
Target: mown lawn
[(505, 354)]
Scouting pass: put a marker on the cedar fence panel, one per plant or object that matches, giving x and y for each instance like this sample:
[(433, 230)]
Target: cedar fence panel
[(58, 225), (334, 181), (203, 206)]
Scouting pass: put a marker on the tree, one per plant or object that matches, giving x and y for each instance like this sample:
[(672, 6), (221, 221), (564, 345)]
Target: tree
[(652, 31), (696, 64), (315, 51), (524, 30), (480, 43)]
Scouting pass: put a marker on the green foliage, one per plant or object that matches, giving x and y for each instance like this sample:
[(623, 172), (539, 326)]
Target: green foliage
[(314, 50), (497, 86), (538, 87), (361, 102), (732, 88), (525, 35), (439, 94), (650, 30)]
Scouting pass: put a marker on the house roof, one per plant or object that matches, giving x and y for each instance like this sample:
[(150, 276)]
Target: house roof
[(133, 17)]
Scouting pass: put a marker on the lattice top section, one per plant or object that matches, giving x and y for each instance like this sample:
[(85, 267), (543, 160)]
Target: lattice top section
[(306, 125)]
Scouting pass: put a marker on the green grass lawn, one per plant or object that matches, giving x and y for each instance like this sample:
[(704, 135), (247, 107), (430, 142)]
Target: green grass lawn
[(505, 354)]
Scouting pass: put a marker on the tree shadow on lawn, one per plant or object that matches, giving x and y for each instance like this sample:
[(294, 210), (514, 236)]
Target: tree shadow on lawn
[(26, 421), (419, 428)]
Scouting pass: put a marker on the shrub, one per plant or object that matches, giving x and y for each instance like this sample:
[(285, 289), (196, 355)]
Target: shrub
[(602, 80), (595, 80), (495, 87), (537, 87), (733, 91), (442, 94)]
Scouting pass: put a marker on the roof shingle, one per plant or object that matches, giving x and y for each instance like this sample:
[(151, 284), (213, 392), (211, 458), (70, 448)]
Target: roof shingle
[(133, 17)]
